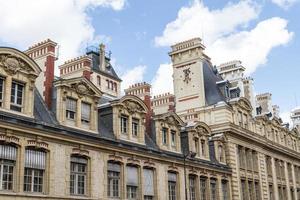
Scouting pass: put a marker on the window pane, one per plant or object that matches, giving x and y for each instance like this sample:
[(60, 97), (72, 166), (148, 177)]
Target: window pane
[(85, 112)]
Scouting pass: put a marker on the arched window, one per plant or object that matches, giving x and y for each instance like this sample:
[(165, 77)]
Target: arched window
[(78, 175), (8, 155), (35, 165)]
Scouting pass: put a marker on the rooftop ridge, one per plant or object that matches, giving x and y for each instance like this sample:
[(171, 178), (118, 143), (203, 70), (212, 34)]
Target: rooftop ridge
[(138, 85), (75, 59), (162, 95)]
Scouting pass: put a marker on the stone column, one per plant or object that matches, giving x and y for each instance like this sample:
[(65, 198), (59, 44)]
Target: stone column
[(274, 176), (294, 182), (286, 177)]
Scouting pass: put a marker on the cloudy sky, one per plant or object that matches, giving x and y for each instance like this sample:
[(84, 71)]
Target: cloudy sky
[(263, 34)]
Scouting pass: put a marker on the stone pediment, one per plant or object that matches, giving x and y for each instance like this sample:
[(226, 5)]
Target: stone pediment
[(13, 61), (81, 86), (245, 104), (201, 128), (131, 103), (170, 118)]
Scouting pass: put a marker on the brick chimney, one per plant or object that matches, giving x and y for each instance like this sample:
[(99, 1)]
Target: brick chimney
[(142, 90), (163, 103), (43, 53)]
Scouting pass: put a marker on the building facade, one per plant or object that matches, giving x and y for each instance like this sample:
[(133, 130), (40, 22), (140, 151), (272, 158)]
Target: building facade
[(76, 137)]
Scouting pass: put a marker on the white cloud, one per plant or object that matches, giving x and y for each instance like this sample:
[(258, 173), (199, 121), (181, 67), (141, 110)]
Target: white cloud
[(226, 32), (163, 81), (66, 22), (197, 20), (132, 76), (285, 4), (286, 117), (251, 47)]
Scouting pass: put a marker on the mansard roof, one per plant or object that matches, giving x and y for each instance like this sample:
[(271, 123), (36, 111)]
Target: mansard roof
[(213, 94), (13, 60)]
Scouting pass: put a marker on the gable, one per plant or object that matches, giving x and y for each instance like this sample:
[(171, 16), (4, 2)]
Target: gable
[(13, 61)]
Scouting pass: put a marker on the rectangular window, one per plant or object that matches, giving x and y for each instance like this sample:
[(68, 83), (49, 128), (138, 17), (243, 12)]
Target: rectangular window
[(164, 135), (135, 127), (113, 179), (245, 119), (203, 185), (71, 105), (85, 112), (213, 189), (16, 97), (78, 175), (240, 119), (7, 162), (148, 184), (124, 123), (172, 186), (1, 90), (257, 190), (271, 193), (203, 148), (250, 189), (173, 138), (243, 188), (35, 164), (192, 187), (197, 149), (132, 182), (225, 189)]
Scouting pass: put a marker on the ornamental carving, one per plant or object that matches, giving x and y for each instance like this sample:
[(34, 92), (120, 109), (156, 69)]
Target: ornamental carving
[(132, 107), (82, 89), (170, 120), (201, 130), (187, 77), (12, 64)]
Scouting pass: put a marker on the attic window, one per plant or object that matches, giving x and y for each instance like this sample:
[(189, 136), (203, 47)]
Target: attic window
[(71, 108), (124, 124), (135, 127), (16, 98), (85, 112)]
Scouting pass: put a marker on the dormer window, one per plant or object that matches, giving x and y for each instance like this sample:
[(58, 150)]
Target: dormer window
[(16, 97), (135, 127), (1, 90), (164, 136), (85, 112), (203, 148), (71, 108), (173, 138), (124, 124)]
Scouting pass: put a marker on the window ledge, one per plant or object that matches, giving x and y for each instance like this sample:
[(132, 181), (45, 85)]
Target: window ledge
[(16, 113)]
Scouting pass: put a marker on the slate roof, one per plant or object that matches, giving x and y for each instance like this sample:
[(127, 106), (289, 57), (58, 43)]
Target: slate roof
[(213, 95), (109, 70)]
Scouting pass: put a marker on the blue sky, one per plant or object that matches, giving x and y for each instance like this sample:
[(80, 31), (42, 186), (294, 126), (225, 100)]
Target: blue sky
[(264, 35)]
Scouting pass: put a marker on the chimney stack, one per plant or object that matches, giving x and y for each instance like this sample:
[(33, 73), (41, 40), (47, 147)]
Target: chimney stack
[(102, 57), (43, 53)]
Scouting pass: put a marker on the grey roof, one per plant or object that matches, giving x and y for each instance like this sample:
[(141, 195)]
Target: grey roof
[(213, 94), (109, 70), (41, 112)]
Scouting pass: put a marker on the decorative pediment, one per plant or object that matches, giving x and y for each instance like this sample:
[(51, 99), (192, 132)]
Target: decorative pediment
[(131, 103), (81, 85), (80, 151), (13, 61), (170, 118), (245, 104), (38, 143), (201, 129), (220, 137)]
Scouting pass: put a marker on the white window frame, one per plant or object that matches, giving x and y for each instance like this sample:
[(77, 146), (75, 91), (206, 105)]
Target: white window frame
[(77, 174), (14, 103), (124, 124), (85, 119), (69, 111), (9, 163)]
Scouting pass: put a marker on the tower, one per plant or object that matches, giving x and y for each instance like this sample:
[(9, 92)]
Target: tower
[(187, 59), (43, 53)]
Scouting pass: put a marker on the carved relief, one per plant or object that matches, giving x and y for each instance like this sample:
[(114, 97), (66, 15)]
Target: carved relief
[(82, 89), (12, 64), (132, 107), (187, 77)]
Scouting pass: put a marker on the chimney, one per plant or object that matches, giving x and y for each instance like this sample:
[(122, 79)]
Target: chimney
[(102, 57), (142, 90), (43, 53)]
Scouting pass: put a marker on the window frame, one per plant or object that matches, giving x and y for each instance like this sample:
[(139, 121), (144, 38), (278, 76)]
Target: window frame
[(14, 105), (76, 191), (124, 120), (70, 112)]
